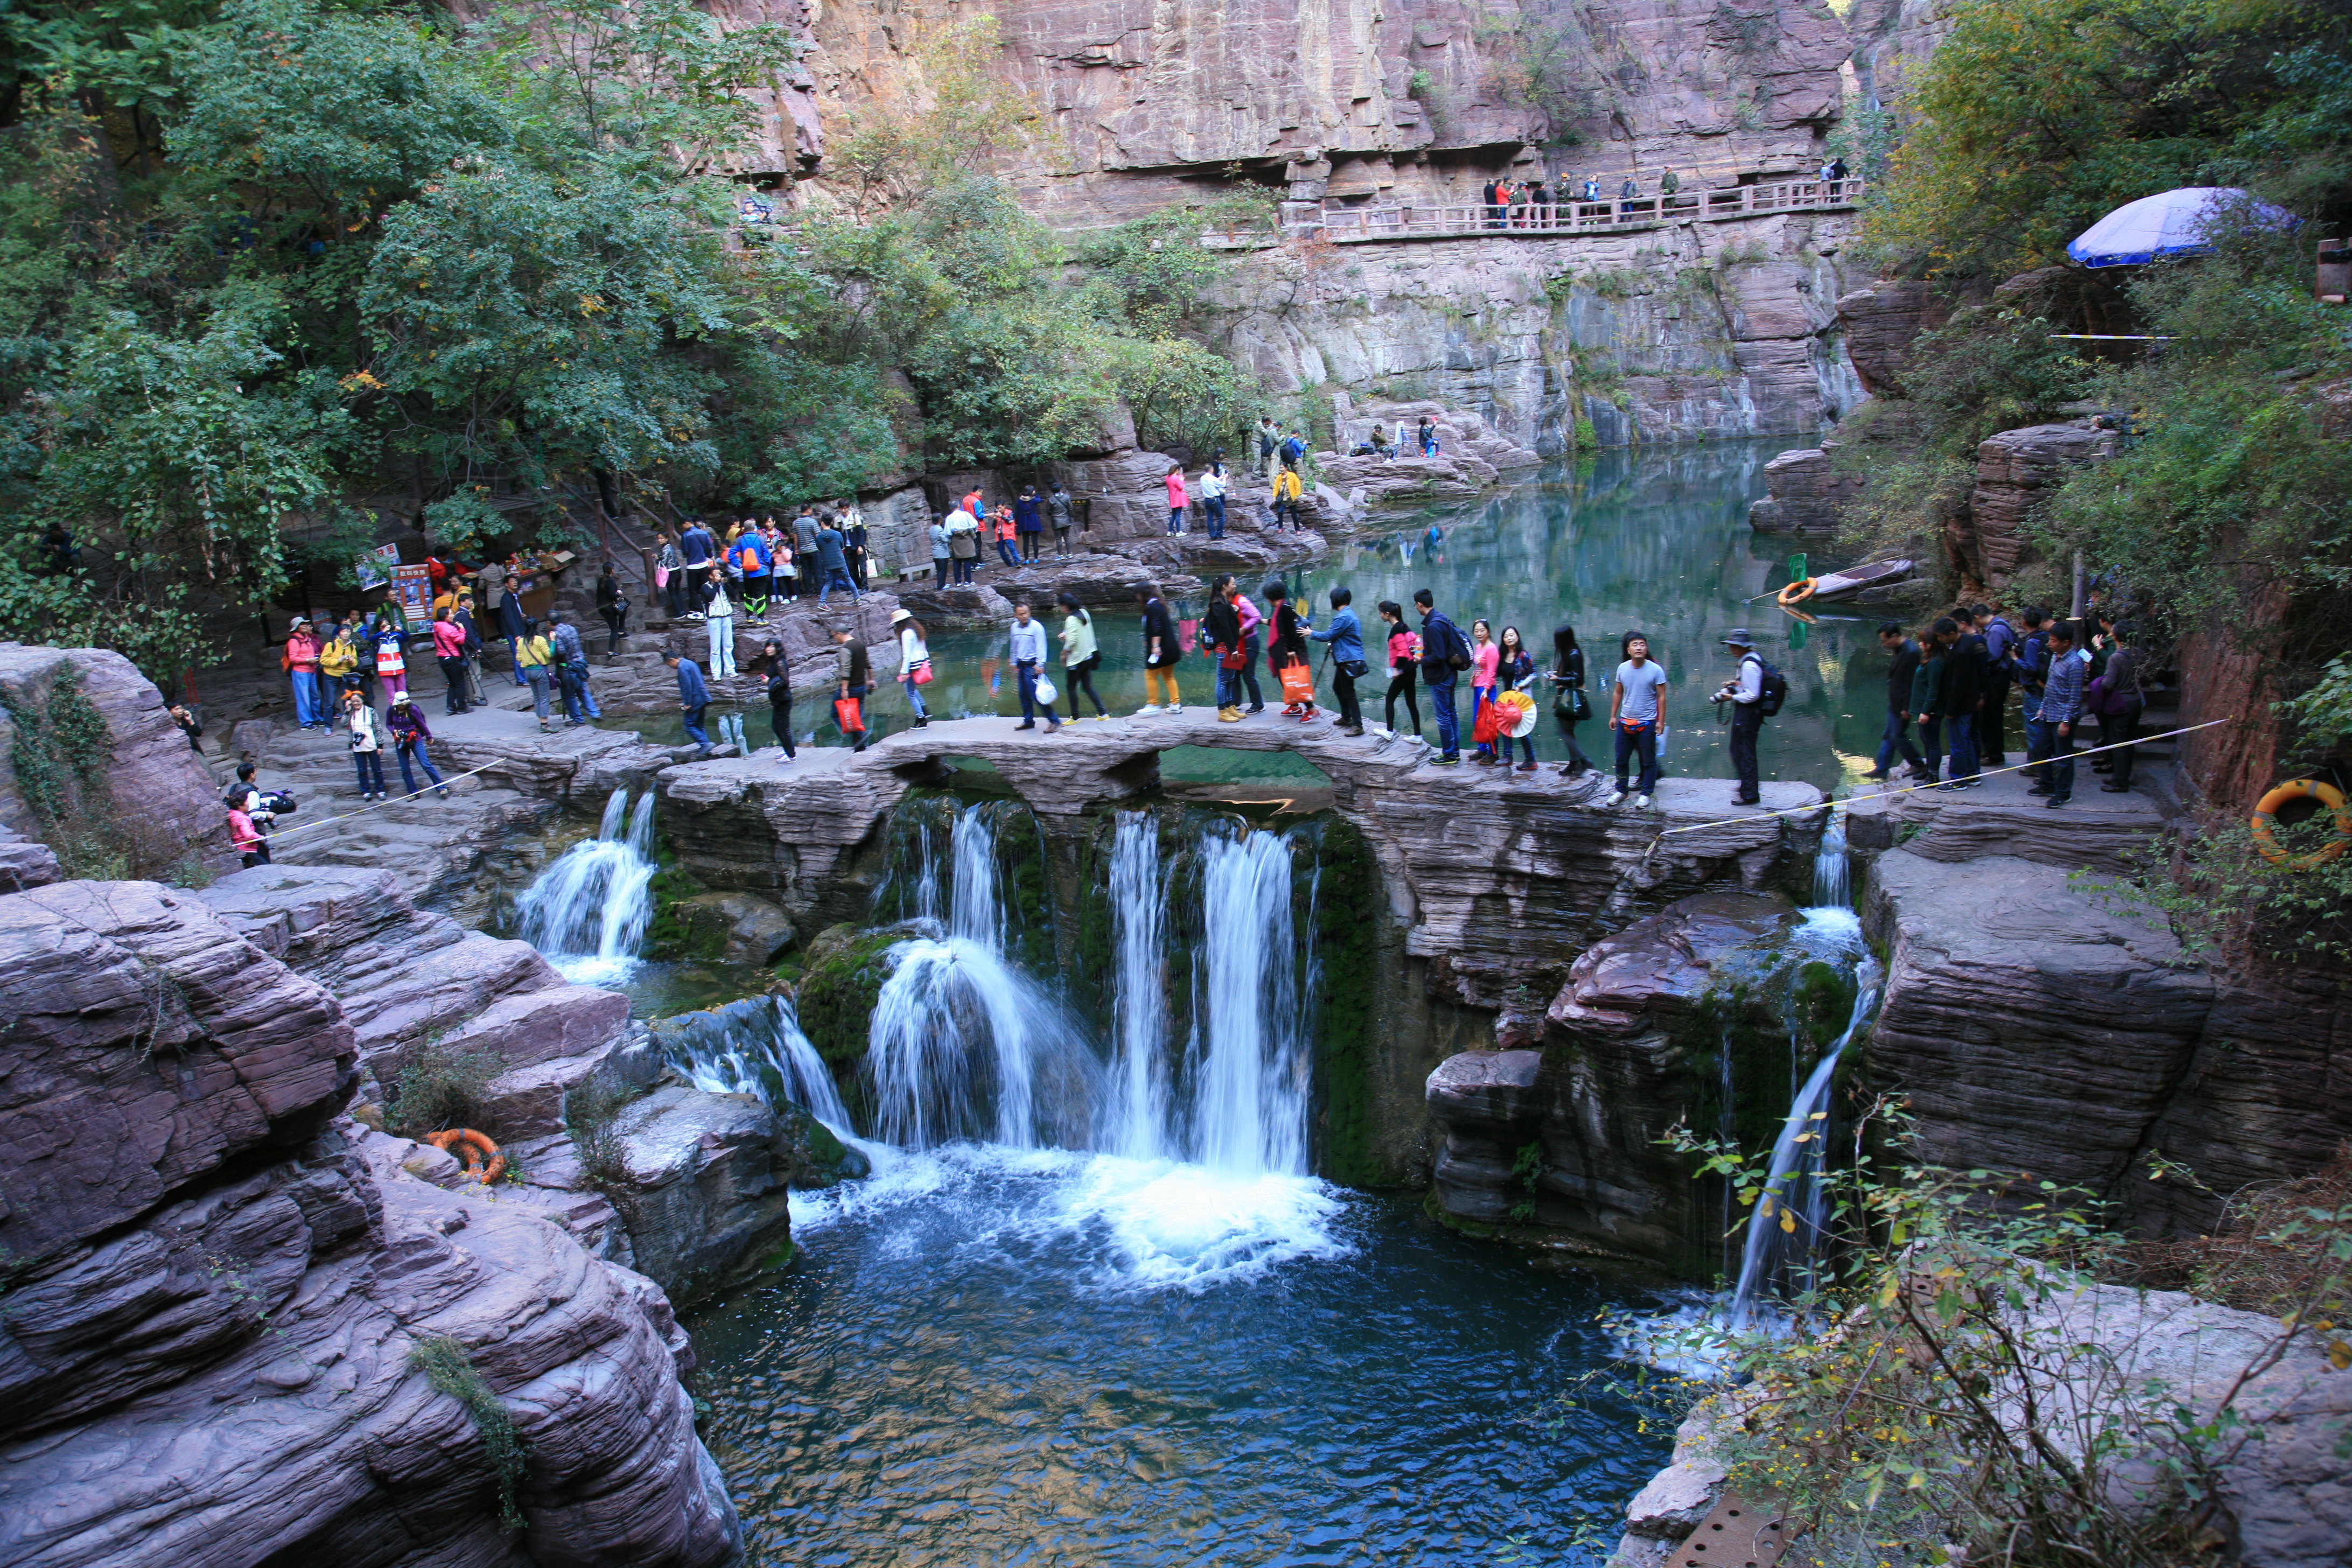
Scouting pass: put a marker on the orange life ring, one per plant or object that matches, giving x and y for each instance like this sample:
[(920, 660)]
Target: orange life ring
[(480, 1156), (2265, 818), (1796, 593)]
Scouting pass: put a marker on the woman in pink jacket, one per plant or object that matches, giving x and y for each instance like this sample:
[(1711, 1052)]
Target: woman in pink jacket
[(1176, 500)]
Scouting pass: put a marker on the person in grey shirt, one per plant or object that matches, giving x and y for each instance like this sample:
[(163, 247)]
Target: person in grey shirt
[(1059, 511), (1026, 645), (804, 530), (1637, 717)]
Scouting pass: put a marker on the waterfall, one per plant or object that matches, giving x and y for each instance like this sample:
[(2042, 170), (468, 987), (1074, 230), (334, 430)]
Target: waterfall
[(1830, 889), (1138, 1000), (1793, 1215), (1249, 1053), (755, 1046), (964, 1046), (974, 913), (587, 912)]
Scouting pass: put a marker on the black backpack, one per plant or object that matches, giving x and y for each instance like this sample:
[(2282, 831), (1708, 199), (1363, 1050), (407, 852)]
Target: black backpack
[(1775, 686)]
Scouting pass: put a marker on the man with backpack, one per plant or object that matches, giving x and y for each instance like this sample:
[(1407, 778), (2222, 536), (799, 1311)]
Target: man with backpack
[(1750, 694), (2001, 672), (1444, 654), (1964, 669), (2032, 676)]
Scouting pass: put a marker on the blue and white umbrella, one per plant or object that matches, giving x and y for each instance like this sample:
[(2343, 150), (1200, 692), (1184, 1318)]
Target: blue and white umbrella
[(2170, 222)]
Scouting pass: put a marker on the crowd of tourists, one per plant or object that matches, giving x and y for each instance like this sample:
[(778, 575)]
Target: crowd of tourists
[(1948, 687)]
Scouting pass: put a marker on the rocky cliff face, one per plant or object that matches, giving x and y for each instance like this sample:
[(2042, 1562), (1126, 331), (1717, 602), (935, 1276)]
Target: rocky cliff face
[(214, 1291), (1132, 105)]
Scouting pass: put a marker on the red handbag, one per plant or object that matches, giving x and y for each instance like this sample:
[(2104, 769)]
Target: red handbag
[(845, 710)]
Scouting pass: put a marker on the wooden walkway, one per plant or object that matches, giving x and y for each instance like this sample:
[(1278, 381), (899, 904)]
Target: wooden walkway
[(1363, 225)]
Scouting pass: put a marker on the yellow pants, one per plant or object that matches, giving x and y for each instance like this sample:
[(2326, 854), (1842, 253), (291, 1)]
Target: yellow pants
[(1155, 681)]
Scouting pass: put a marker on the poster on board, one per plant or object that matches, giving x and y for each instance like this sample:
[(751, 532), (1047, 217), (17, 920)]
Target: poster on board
[(375, 566), (411, 590)]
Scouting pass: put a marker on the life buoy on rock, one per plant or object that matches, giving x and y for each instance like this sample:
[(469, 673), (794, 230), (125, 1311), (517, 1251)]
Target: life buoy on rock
[(480, 1156), (2330, 798), (1796, 593)]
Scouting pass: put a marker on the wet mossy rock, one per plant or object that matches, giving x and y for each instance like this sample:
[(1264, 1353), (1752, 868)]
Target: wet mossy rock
[(847, 968), (732, 928), (813, 1157)]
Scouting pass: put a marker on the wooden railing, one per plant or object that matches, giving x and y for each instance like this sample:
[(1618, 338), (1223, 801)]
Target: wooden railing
[(1355, 225)]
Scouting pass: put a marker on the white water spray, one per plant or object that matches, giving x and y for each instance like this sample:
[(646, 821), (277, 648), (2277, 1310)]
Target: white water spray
[(1139, 997), (755, 1046), (588, 911), (1830, 888), (1250, 1054)]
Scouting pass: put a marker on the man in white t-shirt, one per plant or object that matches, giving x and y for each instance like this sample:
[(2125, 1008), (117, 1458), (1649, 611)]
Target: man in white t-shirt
[(1637, 717)]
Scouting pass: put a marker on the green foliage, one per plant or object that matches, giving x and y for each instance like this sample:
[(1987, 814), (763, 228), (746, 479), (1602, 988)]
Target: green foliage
[(60, 757), (591, 1115), (439, 1089), (2225, 900), (449, 1367), (1939, 1390)]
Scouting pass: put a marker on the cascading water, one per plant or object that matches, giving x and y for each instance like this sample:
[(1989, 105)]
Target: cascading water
[(1791, 1217), (1139, 993), (588, 911), (1830, 889), (755, 1046), (1249, 1054)]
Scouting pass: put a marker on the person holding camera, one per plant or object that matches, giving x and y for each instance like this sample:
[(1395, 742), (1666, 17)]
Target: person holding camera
[(1745, 692), (409, 736)]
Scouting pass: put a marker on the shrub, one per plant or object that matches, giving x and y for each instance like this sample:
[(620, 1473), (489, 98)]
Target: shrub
[(438, 1088), (448, 1366)]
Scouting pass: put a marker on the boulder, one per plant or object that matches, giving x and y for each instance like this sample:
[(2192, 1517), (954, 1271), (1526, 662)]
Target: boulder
[(159, 805), (1563, 1141), (1803, 493), (2016, 472), (1879, 323), (739, 928), (707, 1198)]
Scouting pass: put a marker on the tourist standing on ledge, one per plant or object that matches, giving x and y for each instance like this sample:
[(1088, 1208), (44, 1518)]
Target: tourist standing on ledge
[(2061, 710), (1637, 717), (1060, 511), (1081, 658), (1285, 499), (1514, 670), (511, 620), (1004, 522), (358, 723), (780, 693), (833, 565), (1484, 656), (1668, 183), (1212, 496), (1964, 691), (1294, 450), (2119, 705), (913, 662), (854, 538), (1345, 638), (942, 553), (1176, 498), (963, 543), (1570, 702), (1026, 646), (1159, 655), (2000, 673), (1428, 434), (699, 548), (719, 614), (1288, 645), (1445, 653), (410, 737), (449, 652), (1745, 692), (669, 573), (693, 698), (1269, 440), (1404, 663), (853, 682), (754, 565), (1029, 521), (301, 663), (613, 606), (572, 671), (1896, 738), (391, 659)]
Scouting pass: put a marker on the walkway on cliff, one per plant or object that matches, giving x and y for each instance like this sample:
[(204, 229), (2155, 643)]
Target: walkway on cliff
[(1342, 225)]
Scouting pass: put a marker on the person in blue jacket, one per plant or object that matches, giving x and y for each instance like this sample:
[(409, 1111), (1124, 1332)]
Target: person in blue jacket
[(693, 696), (1346, 636)]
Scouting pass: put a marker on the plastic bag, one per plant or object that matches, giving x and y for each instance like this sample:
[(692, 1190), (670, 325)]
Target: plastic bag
[(845, 710), (1298, 683)]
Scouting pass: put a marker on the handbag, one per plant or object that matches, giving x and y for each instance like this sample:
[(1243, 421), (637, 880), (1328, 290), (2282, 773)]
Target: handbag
[(844, 710), (1572, 704), (1233, 659), (1297, 682), (921, 674), (661, 576), (1354, 669)]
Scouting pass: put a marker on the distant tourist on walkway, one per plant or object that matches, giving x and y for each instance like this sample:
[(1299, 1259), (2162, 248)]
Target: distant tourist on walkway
[(942, 553), (718, 615), (1220, 639), (2116, 699), (1669, 182), (699, 550), (1024, 644), (358, 724), (913, 662), (464, 616), (1004, 530), (1081, 658), (1637, 716), (1285, 499), (1287, 645), (391, 658), (833, 565), (1176, 498), (1483, 657), (1571, 702), (1269, 441), (963, 543), (1212, 496), (1061, 511), (669, 573), (1592, 187), (1428, 436), (572, 671), (2060, 712), (1403, 667), (754, 565), (1345, 638), (693, 699), (1294, 449), (613, 606), (1965, 671), (1745, 692), (2001, 672), (780, 693), (853, 682), (300, 662), (1894, 738), (1928, 697), (410, 737), (339, 668), (511, 619), (1444, 654), (1514, 670), (1159, 655), (1029, 523), (1627, 194)]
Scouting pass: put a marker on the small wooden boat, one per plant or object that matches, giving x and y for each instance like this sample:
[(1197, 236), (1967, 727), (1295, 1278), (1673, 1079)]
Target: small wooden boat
[(1854, 579)]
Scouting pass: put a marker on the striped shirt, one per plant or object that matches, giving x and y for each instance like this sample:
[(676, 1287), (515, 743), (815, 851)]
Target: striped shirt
[(2061, 699)]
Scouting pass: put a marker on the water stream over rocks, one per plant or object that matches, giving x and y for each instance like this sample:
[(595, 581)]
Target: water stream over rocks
[(588, 911)]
